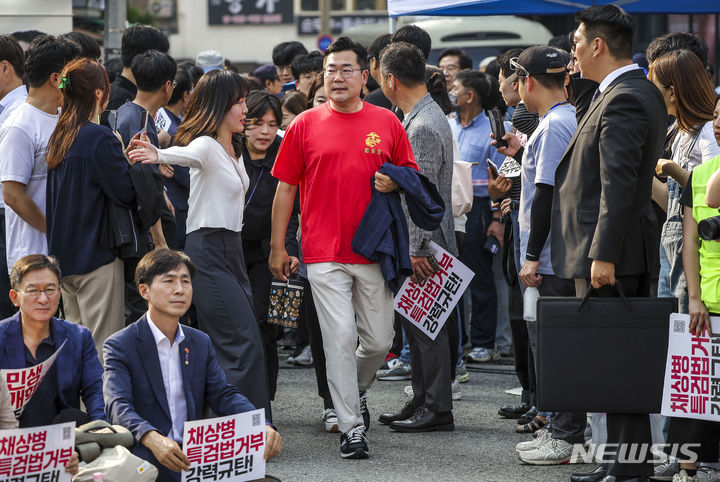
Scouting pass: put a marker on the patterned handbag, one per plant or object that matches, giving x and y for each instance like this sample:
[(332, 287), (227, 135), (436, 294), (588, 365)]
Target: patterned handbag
[(285, 301)]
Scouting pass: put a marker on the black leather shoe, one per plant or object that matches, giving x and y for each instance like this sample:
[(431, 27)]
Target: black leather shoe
[(595, 476), (613, 478), (407, 412), (528, 416), (514, 411), (425, 420)]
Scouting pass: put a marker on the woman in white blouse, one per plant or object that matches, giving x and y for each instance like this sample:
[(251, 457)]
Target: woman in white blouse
[(218, 184)]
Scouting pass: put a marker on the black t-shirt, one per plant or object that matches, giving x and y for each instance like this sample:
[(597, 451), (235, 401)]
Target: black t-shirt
[(43, 407), (377, 97), (686, 198), (121, 90)]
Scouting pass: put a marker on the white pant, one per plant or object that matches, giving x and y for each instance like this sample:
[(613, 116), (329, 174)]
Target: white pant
[(344, 294)]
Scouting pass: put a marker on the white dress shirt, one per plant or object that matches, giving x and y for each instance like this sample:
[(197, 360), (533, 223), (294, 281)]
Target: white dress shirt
[(218, 183), (172, 377), (614, 75)]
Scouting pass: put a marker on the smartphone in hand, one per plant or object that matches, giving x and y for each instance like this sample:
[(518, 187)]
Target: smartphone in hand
[(492, 168), (498, 127), (143, 122)]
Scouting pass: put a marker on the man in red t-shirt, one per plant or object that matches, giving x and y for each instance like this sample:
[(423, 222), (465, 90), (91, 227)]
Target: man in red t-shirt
[(334, 152)]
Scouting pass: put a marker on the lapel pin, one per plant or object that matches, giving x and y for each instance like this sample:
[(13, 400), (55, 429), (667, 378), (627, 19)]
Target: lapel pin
[(187, 355)]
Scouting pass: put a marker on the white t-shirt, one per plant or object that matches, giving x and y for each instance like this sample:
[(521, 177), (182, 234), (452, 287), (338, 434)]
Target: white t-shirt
[(8, 104), (23, 141)]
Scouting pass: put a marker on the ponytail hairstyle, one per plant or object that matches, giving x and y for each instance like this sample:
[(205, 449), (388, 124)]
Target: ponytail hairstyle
[(80, 79), (437, 88)]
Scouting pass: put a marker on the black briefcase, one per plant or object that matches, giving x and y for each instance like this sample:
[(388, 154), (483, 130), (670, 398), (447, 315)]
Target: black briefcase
[(602, 354)]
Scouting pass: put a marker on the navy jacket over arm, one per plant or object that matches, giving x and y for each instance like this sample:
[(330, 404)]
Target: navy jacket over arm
[(135, 393), (79, 373), (382, 235)]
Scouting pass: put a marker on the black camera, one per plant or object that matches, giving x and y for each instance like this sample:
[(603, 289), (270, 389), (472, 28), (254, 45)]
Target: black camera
[(709, 229)]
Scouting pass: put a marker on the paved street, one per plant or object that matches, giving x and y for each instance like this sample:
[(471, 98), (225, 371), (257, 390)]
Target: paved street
[(480, 449)]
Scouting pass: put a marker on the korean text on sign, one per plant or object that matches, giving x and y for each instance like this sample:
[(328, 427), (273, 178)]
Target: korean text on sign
[(36, 454), (23, 382), (692, 371), (228, 448), (429, 303)]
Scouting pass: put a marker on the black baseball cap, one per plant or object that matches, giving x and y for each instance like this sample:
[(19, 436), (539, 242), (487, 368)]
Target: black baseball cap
[(540, 59)]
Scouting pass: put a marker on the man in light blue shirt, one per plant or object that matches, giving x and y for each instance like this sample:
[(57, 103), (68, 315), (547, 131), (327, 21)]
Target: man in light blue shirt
[(477, 92)]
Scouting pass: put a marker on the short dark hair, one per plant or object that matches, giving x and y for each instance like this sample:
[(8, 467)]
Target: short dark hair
[(139, 39), (378, 45), (284, 53), (26, 35), (464, 59), (437, 88), (88, 46), (193, 70), (159, 262), (47, 55), (493, 68), (182, 85), (295, 102), (561, 42), (675, 41), (504, 61), (11, 51), (549, 81), (152, 69), (416, 36), (612, 24), (343, 44), (405, 62), (259, 102), (307, 63), (485, 86), (29, 263)]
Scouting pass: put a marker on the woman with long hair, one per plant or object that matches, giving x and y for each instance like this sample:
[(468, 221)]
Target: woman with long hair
[(86, 170), (208, 143), (689, 97)]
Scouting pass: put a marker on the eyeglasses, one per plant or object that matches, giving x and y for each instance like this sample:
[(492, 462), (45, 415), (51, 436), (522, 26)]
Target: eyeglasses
[(520, 71), (35, 293), (346, 73)]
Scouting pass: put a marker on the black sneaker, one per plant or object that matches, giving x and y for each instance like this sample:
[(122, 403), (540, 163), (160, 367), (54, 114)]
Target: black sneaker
[(364, 410), (354, 444)]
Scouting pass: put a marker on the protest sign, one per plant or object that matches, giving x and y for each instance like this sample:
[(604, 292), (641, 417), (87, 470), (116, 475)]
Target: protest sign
[(692, 371), (228, 448), (23, 382), (162, 120), (36, 454), (429, 303)]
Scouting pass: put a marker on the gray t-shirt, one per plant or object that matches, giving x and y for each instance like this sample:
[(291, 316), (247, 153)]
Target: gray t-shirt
[(543, 153)]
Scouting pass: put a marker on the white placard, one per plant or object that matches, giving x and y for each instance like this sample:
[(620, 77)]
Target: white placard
[(228, 448), (37, 453), (428, 304), (162, 120), (692, 371), (22, 383)]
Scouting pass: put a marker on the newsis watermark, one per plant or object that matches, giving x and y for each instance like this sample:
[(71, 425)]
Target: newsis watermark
[(634, 453)]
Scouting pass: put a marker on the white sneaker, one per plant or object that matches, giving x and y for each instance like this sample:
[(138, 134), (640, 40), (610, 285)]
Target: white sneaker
[(330, 419), (456, 392), (552, 452), (304, 358), (542, 435), (707, 474)]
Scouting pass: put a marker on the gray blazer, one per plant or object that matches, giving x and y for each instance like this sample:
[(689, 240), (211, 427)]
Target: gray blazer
[(431, 141), (603, 184)]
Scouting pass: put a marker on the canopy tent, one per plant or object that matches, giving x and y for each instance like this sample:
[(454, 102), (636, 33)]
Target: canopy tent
[(398, 8)]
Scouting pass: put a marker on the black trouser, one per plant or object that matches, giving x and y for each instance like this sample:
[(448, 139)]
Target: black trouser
[(135, 305), (524, 368), (7, 309), (316, 345), (223, 300), (256, 263), (693, 431), (629, 428), (483, 317), (431, 367)]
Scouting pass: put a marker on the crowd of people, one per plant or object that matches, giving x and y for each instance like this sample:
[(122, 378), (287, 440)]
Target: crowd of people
[(161, 198)]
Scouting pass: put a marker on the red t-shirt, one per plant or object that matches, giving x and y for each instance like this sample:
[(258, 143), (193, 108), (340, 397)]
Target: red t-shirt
[(333, 156)]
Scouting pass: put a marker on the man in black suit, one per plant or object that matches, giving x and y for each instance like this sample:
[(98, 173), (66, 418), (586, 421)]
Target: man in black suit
[(603, 225)]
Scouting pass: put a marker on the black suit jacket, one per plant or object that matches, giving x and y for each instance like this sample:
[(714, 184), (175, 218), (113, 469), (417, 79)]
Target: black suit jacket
[(602, 198)]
